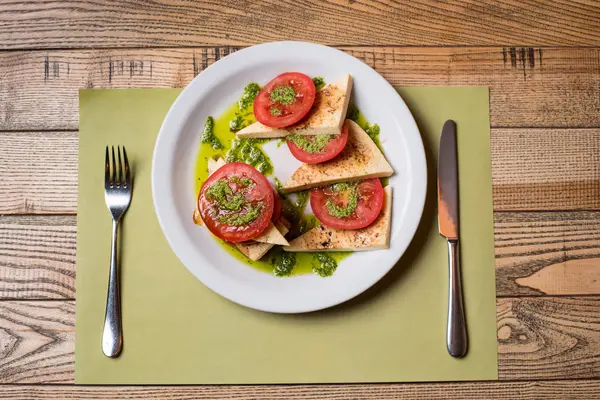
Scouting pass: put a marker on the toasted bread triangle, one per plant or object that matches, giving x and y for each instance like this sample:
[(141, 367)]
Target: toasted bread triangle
[(255, 250), (361, 159), (374, 237)]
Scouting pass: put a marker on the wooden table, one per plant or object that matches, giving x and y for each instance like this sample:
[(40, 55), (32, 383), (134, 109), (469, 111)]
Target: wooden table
[(541, 60)]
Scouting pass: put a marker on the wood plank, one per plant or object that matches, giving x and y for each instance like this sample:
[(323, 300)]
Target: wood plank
[(38, 172), (546, 169), (538, 338), (533, 169), (37, 257), (528, 86), (544, 338), (540, 390), (38, 341), (69, 24), (555, 253)]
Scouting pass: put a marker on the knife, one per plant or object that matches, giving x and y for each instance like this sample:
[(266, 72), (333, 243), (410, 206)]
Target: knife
[(456, 330)]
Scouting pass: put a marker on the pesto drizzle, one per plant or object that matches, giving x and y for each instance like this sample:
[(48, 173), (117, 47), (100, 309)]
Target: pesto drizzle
[(338, 211), (248, 151), (283, 263), (319, 82), (240, 211), (244, 114), (311, 143), (208, 134), (324, 265)]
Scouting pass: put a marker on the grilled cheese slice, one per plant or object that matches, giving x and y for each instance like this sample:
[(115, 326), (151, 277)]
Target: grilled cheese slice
[(255, 250), (325, 118), (374, 237), (271, 235), (360, 159)]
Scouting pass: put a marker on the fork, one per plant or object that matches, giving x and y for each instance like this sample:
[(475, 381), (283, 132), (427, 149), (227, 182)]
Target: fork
[(117, 193)]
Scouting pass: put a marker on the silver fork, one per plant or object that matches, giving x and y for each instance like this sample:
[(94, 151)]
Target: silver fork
[(117, 193)]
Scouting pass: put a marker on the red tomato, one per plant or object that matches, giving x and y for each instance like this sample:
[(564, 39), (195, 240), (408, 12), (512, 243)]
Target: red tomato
[(331, 150), (285, 100), (369, 201), (276, 207), (236, 202)]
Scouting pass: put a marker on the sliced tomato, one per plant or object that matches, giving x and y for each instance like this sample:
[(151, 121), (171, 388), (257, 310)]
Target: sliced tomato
[(330, 150), (276, 207), (285, 100), (236, 202), (348, 205)]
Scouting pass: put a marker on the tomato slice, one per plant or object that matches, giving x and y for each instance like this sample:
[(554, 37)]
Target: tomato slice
[(353, 205), (285, 100), (236, 202), (319, 148), (276, 207)]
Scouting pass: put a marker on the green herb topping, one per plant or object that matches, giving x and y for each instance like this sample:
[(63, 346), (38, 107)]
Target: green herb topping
[(240, 212), (208, 134), (248, 151), (275, 111), (244, 115), (285, 95), (284, 264), (250, 92), (324, 265), (335, 209), (319, 82), (311, 143)]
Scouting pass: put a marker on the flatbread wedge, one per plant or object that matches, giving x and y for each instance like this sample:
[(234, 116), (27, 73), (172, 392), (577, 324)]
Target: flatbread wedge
[(325, 118), (360, 159), (374, 237), (254, 250)]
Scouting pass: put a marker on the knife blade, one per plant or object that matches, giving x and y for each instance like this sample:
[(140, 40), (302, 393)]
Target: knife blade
[(456, 330)]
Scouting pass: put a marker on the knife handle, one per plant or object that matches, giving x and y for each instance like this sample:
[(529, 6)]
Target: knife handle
[(456, 333)]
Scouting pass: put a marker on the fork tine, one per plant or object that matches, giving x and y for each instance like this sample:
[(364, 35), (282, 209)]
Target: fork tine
[(121, 183), (114, 168), (127, 173), (107, 170)]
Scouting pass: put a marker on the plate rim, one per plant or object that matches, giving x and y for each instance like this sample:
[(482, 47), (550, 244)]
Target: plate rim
[(417, 198)]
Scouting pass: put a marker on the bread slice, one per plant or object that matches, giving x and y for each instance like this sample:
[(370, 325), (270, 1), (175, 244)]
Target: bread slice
[(360, 159), (325, 118), (255, 250), (271, 235), (374, 237)]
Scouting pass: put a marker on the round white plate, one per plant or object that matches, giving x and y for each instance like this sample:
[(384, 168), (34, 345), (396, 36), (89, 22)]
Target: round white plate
[(210, 93)]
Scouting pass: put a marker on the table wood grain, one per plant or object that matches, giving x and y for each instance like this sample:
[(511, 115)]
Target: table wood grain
[(540, 59)]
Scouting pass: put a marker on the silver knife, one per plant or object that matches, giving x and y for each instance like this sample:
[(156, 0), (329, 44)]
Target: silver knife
[(456, 330)]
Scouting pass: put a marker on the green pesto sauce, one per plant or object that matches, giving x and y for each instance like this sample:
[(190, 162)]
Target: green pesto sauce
[(208, 134), (285, 95), (244, 115), (248, 151), (276, 261), (324, 264), (372, 129), (311, 144), (319, 82), (337, 210)]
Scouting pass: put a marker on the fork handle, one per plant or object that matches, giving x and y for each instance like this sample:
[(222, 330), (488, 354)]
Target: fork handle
[(112, 335)]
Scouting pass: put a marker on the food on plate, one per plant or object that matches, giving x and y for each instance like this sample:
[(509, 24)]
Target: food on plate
[(325, 118), (374, 237), (255, 250), (236, 202), (317, 148), (360, 159), (348, 205), (270, 228), (285, 100)]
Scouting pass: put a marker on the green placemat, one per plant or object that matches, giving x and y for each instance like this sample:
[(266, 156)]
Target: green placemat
[(177, 331)]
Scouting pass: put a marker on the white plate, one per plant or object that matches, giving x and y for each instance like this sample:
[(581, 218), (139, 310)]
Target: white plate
[(173, 175)]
